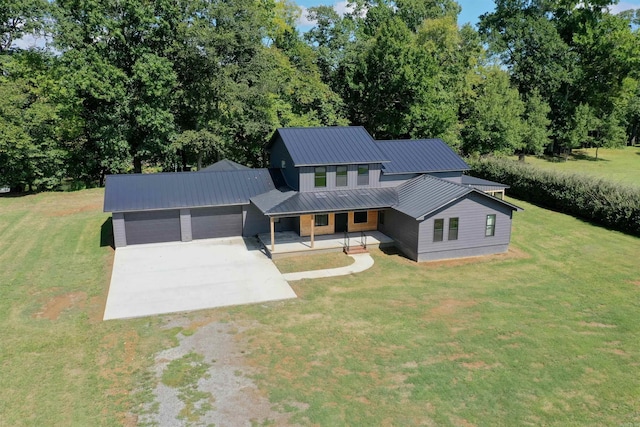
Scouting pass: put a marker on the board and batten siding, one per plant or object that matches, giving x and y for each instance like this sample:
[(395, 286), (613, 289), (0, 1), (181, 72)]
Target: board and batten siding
[(472, 213), (278, 154), (119, 233), (403, 230), (307, 178)]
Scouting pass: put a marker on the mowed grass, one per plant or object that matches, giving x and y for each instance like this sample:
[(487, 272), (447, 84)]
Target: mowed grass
[(548, 334), (59, 363), (313, 262), (619, 165)]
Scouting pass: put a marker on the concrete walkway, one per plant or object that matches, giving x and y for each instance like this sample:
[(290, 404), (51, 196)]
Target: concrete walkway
[(362, 263)]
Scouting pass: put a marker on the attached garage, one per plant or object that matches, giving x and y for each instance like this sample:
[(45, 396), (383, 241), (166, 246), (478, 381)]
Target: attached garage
[(209, 223), (152, 226)]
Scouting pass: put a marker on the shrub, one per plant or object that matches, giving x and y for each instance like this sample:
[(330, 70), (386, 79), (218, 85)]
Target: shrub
[(598, 200)]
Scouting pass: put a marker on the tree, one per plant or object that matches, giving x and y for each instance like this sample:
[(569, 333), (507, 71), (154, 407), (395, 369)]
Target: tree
[(31, 153), (536, 126), (492, 118), (20, 17)]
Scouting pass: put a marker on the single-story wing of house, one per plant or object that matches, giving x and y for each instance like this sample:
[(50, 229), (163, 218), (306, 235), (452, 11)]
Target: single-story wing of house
[(322, 181)]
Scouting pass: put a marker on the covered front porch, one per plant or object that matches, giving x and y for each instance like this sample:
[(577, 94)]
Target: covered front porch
[(290, 243)]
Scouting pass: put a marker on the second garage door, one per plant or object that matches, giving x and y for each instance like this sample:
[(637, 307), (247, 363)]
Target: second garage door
[(209, 223)]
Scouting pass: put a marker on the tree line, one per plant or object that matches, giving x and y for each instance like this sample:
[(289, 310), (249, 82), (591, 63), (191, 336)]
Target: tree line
[(127, 85)]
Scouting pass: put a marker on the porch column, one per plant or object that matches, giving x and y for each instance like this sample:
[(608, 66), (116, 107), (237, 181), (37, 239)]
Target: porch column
[(272, 223), (313, 230)]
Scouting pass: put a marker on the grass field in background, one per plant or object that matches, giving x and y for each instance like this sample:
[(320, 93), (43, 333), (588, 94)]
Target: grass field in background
[(548, 334), (619, 165)]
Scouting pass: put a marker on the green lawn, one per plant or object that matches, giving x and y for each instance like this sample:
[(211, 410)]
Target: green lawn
[(620, 165), (548, 334)]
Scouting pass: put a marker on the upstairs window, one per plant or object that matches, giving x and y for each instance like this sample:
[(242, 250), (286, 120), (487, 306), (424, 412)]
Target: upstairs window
[(320, 178), (360, 217), (453, 228), (438, 230), (490, 229), (341, 176), (363, 174), (321, 220)]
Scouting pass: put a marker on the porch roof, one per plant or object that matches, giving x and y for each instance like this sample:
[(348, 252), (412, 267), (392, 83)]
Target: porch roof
[(285, 203)]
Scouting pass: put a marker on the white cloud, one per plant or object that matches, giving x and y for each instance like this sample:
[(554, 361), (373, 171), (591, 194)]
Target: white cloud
[(30, 41), (303, 20), (342, 7), (622, 6)]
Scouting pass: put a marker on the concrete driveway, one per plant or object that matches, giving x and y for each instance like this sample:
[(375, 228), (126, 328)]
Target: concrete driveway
[(172, 277)]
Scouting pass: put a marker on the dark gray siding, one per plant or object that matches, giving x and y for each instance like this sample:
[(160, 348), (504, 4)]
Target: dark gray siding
[(208, 223), (307, 178), (255, 222), (449, 176), (152, 226), (395, 180), (278, 154), (119, 234), (403, 229), (185, 225), (472, 211)]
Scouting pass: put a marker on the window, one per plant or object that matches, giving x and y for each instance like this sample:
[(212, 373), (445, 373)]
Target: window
[(381, 217), (363, 174), (341, 176), (438, 230), (321, 176), (322, 220), (453, 228), (360, 217), (283, 164), (490, 229)]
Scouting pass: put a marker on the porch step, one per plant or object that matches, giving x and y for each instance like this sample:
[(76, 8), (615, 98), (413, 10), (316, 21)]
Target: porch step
[(355, 250)]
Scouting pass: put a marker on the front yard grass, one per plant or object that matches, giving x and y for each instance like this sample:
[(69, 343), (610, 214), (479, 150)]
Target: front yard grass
[(312, 262), (546, 335)]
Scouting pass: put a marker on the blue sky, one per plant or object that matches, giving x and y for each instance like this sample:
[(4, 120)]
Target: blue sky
[(471, 9)]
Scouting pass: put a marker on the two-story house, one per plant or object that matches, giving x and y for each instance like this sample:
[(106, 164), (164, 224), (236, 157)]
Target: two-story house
[(322, 181)]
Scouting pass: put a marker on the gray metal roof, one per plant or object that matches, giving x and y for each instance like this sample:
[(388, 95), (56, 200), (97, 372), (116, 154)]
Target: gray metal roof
[(224, 165), (332, 201), (269, 200), (330, 146), (482, 184), (425, 194), (419, 156), (137, 192)]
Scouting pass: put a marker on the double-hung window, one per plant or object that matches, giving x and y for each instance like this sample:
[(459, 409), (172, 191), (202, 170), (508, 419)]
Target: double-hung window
[(341, 176), (438, 230), (453, 228), (363, 174), (320, 178), (490, 228), (361, 217)]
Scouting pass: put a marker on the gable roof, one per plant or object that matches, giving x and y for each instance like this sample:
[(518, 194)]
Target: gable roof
[(224, 165), (426, 194), (174, 190), (419, 156), (329, 146)]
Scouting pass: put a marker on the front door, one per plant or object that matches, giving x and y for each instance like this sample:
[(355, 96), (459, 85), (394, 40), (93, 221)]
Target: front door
[(342, 221)]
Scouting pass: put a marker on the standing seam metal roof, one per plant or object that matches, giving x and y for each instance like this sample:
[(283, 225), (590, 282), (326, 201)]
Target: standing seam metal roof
[(419, 156), (330, 146), (173, 190), (224, 165), (332, 201), (481, 184), (425, 194)]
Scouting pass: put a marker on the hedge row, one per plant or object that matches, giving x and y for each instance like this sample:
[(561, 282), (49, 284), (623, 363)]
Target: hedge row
[(600, 201)]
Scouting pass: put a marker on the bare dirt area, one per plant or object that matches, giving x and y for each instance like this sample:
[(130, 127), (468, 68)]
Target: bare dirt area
[(214, 385), (53, 308)]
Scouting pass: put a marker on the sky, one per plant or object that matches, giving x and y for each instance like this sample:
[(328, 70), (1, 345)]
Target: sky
[(471, 9)]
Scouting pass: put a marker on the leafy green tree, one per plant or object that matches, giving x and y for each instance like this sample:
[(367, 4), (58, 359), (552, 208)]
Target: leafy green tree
[(492, 118), (536, 130), (18, 18), (32, 156)]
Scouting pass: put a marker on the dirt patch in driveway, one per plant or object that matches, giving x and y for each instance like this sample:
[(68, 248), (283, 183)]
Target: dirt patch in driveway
[(220, 393)]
